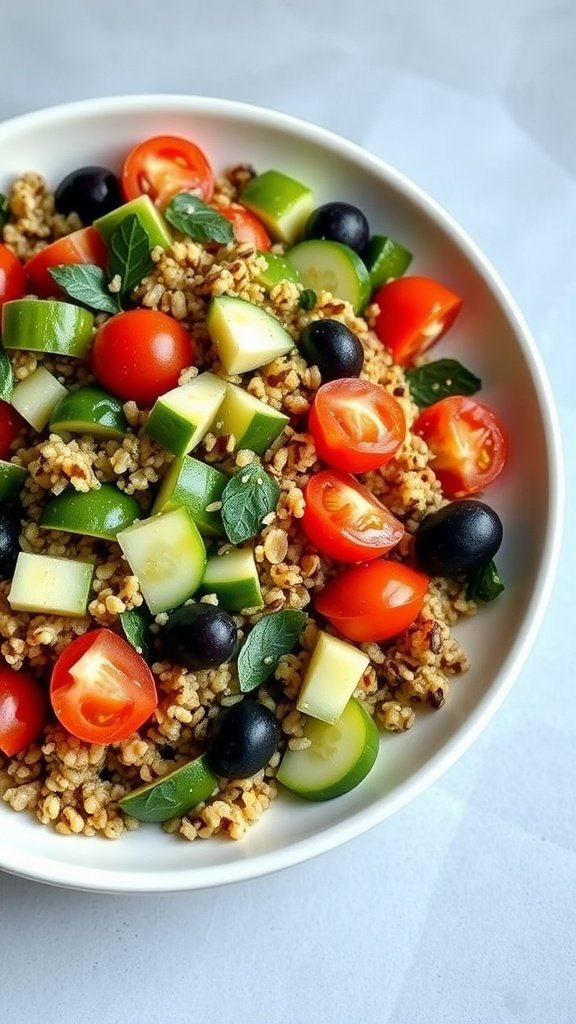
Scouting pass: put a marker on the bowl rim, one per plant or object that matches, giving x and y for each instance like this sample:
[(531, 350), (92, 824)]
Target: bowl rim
[(43, 868)]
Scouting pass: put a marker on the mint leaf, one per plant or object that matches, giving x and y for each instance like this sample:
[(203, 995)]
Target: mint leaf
[(441, 379), (4, 211), (197, 220), (307, 299), (129, 253), (248, 497), (6, 376), (273, 636), (484, 584), (136, 628), (87, 284)]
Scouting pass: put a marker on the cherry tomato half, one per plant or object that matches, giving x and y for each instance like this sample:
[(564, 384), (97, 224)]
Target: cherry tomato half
[(12, 276), (84, 246), (140, 354), (356, 426), (10, 425), (345, 521), (467, 441), (101, 689), (414, 313), (165, 165), (22, 709), (247, 227), (373, 601)]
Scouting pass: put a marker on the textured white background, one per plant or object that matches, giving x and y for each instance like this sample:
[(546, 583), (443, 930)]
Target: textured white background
[(461, 908)]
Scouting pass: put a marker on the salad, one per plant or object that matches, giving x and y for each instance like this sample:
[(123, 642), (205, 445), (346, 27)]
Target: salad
[(241, 506)]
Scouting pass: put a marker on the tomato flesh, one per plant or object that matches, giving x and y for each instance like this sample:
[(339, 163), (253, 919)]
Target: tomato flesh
[(344, 521), (22, 710), (247, 227), (83, 246), (12, 276), (373, 601), (467, 441), (165, 165), (357, 426), (101, 689), (414, 314), (10, 425)]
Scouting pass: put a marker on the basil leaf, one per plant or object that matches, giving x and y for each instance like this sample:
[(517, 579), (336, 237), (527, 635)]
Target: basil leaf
[(274, 635), (307, 299), (440, 379), (197, 220), (484, 584), (129, 253), (248, 497), (88, 285), (6, 376), (136, 628), (4, 211)]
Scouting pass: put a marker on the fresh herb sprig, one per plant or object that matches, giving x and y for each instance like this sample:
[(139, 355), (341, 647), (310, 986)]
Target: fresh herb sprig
[(247, 499), (441, 379), (272, 637), (135, 625), (6, 376), (484, 584), (87, 284), (200, 222)]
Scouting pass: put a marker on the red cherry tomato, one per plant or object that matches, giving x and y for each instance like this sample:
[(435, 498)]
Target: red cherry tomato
[(140, 354), (345, 521), (414, 313), (373, 601), (356, 426), (22, 709), (468, 443), (12, 277), (10, 425), (84, 246), (101, 689), (247, 227), (165, 165)]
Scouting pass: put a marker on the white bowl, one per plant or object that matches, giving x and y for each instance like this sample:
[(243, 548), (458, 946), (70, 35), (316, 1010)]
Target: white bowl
[(490, 336)]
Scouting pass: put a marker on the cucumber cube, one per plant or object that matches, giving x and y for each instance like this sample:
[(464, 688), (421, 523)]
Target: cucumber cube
[(282, 204), (233, 577), (254, 424), (180, 418), (57, 586), (333, 673), (385, 258), (36, 396), (245, 335), (47, 325), (11, 479), (149, 218), (100, 513), (277, 269), (195, 486)]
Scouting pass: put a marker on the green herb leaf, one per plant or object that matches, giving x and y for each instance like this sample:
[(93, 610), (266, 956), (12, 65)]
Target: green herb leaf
[(4, 211), (6, 376), (136, 628), (248, 497), (197, 220), (274, 635), (307, 299), (440, 379), (87, 284), (129, 253), (484, 584)]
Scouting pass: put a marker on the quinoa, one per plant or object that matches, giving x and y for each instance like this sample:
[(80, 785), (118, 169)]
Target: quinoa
[(75, 787)]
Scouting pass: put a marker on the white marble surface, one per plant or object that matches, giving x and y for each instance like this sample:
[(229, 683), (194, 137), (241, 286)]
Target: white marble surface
[(461, 908)]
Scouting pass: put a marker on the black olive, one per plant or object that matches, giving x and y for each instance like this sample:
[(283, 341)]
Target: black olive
[(90, 192), (9, 539), (199, 636), (339, 222), (333, 348), (459, 537), (242, 740)]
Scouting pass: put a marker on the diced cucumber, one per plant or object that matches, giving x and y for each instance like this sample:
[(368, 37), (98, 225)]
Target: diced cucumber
[(168, 556), (35, 397), (57, 586), (254, 424), (282, 204), (333, 673), (173, 795), (180, 418), (385, 258), (245, 335), (11, 479), (277, 269), (338, 759), (89, 410), (195, 486), (330, 266), (149, 218), (233, 577), (100, 513), (47, 325)]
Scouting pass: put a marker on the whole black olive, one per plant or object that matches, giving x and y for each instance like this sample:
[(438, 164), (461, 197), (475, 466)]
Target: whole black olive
[(333, 348), (339, 222), (459, 537), (199, 636), (90, 192), (242, 740), (9, 539)]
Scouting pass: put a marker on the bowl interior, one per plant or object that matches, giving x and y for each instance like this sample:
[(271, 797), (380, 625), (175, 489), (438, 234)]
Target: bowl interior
[(489, 337)]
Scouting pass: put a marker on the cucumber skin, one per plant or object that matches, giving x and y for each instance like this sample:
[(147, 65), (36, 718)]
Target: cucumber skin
[(198, 777), (235, 596), (47, 325), (188, 492), (357, 268), (12, 479), (261, 433), (89, 410), (102, 513), (149, 219), (385, 258), (278, 270)]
